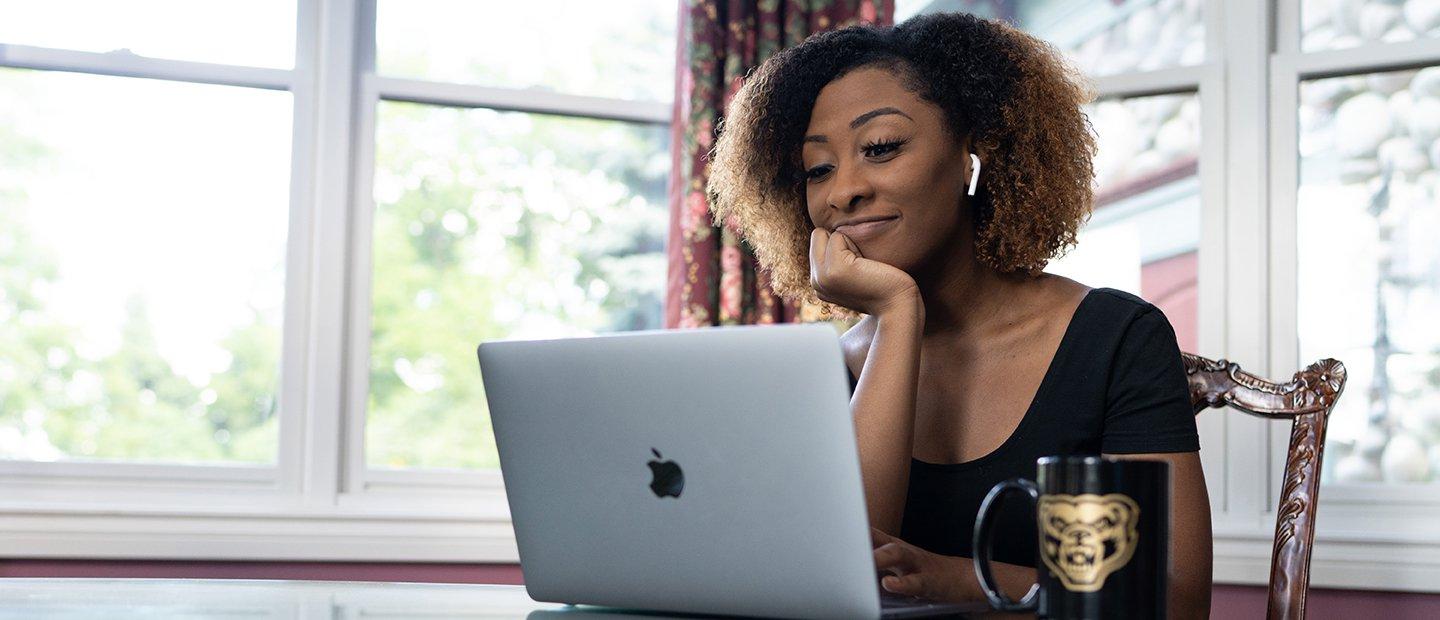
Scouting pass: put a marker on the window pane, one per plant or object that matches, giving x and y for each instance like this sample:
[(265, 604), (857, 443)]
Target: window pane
[(622, 49), (142, 247), (235, 32), (494, 225), (1144, 236), (1101, 38), (1340, 24), (1367, 223)]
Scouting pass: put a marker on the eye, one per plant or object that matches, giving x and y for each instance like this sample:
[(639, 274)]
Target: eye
[(881, 149), (817, 172)]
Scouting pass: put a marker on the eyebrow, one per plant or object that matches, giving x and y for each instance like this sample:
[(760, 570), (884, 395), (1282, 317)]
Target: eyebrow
[(861, 120)]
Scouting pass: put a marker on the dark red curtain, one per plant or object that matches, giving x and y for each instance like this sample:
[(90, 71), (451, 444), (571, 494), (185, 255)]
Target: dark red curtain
[(713, 277)]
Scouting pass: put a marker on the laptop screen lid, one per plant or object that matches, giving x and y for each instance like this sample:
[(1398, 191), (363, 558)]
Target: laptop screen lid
[(708, 470)]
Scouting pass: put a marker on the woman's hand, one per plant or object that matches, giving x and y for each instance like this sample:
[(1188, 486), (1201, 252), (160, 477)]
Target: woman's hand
[(912, 571), (841, 276)]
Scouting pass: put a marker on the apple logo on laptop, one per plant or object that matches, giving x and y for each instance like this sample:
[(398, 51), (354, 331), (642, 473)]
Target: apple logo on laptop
[(667, 480)]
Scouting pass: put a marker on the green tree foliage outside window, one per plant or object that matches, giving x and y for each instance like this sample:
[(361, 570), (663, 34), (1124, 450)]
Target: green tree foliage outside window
[(60, 401), (492, 225)]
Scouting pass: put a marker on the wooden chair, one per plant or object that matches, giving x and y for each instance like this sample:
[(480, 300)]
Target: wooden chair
[(1307, 400)]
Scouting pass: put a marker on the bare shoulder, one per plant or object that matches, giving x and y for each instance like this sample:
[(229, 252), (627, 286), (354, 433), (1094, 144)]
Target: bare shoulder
[(1061, 293), (855, 343)]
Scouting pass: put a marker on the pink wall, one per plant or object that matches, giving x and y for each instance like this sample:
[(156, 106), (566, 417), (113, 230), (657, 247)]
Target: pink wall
[(1172, 284), (1229, 601)]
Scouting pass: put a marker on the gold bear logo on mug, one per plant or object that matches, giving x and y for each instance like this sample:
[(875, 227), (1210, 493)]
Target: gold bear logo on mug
[(1087, 537)]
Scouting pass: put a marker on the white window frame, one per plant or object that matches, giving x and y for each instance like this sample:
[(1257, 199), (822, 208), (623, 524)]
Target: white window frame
[(37, 490), (363, 486), (1381, 536), (1368, 536), (321, 502)]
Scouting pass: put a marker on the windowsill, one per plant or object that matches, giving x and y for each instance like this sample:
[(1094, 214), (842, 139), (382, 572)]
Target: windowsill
[(368, 535), (1347, 564), (355, 534)]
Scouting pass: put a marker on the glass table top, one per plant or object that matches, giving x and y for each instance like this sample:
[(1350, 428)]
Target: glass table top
[(75, 599), (257, 599)]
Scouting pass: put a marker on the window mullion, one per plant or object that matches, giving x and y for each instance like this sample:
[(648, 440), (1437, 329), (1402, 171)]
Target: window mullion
[(1245, 49), (125, 64), (1284, 164), (536, 101), (365, 101), (1158, 82), (1287, 27), (294, 351), (1213, 257), (1372, 58), (333, 27)]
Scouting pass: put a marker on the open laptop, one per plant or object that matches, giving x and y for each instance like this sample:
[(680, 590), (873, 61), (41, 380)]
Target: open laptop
[(708, 471)]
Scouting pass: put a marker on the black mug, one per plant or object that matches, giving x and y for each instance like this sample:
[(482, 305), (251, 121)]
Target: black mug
[(1104, 529)]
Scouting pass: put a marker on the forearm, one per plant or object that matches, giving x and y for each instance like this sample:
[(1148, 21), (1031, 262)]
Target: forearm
[(1191, 556), (1013, 580), (884, 410)]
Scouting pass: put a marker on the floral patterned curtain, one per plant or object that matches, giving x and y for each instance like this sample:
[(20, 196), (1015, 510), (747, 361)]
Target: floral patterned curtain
[(713, 276)]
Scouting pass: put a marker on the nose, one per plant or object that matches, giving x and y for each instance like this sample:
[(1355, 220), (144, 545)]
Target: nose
[(849, 187)]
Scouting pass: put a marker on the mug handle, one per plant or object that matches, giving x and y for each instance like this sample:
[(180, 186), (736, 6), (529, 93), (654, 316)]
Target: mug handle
[(984, 532)]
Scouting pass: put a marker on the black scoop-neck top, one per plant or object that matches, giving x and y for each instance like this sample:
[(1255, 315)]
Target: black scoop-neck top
[(1115, 386)]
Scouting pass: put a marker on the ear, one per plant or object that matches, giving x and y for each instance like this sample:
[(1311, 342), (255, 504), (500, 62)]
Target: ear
[(974, 174), (969, 163)]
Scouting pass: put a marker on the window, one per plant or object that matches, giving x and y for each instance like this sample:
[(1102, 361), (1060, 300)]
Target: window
[(494, 224), (145, 306), (1366, 189), (1368, 176), (620, 50), (1343, 25), (1353, 257), (226, 32), (143, 231), (247, 251)]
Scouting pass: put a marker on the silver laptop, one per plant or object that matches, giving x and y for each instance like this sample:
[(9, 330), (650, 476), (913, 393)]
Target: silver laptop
[(707, 471)]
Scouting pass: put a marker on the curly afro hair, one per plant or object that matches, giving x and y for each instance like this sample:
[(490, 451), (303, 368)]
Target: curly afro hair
[(1014, 95)]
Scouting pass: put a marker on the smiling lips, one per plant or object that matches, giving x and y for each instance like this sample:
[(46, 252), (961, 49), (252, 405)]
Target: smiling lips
[(867, 227)]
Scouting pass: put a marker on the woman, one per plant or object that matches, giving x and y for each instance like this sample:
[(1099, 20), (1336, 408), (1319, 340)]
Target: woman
[(923, 176)]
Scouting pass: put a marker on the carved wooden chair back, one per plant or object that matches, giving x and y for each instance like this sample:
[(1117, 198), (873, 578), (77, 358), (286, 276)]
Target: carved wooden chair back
[(1306, 400)]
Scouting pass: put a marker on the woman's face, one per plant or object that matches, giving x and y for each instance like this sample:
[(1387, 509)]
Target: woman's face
[(881, 168)]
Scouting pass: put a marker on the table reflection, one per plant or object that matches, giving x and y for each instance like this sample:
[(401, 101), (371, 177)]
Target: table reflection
[(256, 599)]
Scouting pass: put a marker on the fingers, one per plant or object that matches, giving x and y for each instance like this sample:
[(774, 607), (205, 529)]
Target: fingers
[(819, 243), (907, 585), (878, 538), (900, 566), (839, 246), (850, 244), (827, 252), (896, 557)]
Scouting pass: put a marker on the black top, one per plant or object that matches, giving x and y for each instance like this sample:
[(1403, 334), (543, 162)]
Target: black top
[(1116, 385)]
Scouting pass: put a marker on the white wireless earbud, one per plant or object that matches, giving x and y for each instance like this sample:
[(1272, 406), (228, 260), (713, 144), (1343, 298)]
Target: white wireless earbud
[(974, 173)]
